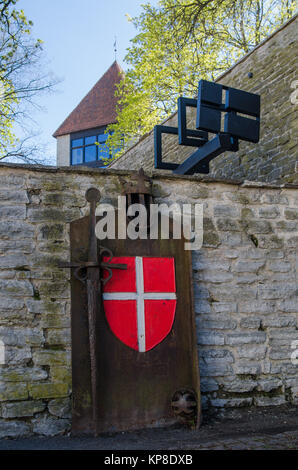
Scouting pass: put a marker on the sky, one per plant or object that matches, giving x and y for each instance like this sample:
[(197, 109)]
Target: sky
[(79, 38)]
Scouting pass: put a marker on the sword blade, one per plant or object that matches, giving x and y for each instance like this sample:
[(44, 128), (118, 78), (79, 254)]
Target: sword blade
[(94, 303)]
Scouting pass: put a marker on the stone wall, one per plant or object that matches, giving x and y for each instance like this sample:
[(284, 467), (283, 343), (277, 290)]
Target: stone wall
[(244, 276), (274, 67)]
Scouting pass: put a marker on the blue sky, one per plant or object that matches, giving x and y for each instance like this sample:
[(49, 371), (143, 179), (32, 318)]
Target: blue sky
[(78, 40)]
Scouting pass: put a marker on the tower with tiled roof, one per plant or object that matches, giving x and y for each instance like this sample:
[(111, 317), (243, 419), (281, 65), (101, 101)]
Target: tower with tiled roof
[(87, 123)]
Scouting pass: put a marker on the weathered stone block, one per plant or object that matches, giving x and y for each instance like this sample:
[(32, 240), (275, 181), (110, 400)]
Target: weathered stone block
[(48, 390), (12, 212), (233, 292), (61, 374), (287, 225), (248, 266), (237, 385), (250, 322), (202, 306), (210, 338), (279, 266), (39, 214), (12, 180), (288, 305), (17, 288), (51, 357), (215, 370), (256, 352), (22, 409), (9, 274), (55, 321), (13, 196), (275, 254), (268, 385), (14, 261), (257, 306), (11, 391), (216, 322), (200, 292), (50, 426), (231, 239), (11, 303), (58, 290), (64, 199), (45, 307), (208, 385), (210, 239), (247, 368), (259, 226), (58, 336), (17, 355), (22, 374), (61, 407), (276, 291), (18, 336), (291, 214), (279, 321), (26, 246), (51, 232), (269, 212), (270, 242), (224, 307), (214, 355), (269, 401), (13, 429), (227, 225), (225, 210), (215, 277), (274, 198), (214, 265), (235, 339), (246, 278), (231, 402)]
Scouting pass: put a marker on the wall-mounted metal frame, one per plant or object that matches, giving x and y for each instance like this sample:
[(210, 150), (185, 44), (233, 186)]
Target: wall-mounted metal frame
[(210, 105), (189, 137), (158, 131)]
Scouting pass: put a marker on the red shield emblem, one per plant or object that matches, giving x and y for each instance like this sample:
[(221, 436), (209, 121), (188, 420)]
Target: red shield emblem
[(140, 302)]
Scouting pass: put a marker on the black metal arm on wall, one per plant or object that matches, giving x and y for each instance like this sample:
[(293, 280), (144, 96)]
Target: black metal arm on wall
[(236, 104)]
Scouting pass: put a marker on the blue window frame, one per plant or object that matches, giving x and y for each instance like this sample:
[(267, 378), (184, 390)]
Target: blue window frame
[(91, 148)]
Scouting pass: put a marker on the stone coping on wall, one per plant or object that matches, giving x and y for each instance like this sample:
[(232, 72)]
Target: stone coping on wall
[(155, 174)]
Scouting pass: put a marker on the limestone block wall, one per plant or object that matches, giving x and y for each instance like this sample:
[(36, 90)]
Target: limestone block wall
[(275, 158), (245, 287)]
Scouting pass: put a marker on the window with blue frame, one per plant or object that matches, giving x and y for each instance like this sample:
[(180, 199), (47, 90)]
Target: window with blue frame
[(92, 148)]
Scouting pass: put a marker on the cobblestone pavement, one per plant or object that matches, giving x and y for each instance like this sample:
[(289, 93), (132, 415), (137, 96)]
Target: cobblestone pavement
[(268, 428), (282, 441)]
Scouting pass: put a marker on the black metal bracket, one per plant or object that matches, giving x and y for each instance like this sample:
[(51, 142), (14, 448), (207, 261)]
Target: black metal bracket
[(211, 104)]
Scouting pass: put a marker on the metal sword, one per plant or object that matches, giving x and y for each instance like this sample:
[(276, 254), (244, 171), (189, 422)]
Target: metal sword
[(85, 272)]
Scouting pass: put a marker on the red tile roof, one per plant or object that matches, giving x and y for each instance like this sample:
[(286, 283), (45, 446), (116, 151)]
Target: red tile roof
[(98, 108)]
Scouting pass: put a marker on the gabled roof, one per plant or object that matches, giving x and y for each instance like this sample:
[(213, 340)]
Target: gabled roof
[(97, 108)]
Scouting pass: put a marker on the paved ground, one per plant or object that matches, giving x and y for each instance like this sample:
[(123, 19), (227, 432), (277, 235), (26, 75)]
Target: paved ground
[(261, 428)]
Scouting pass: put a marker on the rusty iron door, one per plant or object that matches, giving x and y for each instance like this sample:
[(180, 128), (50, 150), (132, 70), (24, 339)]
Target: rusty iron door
[(135, 389)]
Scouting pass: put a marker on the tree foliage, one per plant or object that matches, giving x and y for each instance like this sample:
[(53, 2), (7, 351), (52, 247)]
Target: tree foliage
[(180, 42), (21, 78)]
